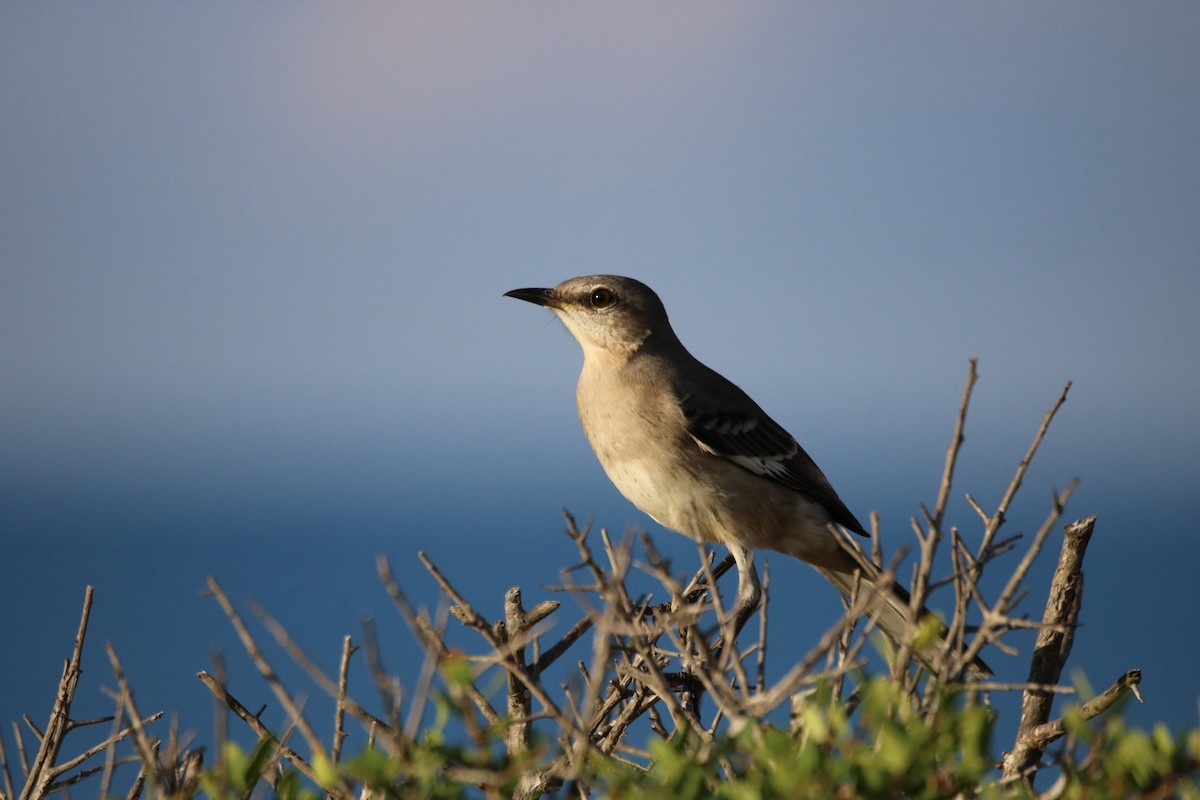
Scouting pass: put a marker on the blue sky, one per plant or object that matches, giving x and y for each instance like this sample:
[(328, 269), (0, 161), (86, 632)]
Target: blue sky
[(252, 258)]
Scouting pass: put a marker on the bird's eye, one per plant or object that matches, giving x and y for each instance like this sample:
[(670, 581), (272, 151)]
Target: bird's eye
[(602, 298)]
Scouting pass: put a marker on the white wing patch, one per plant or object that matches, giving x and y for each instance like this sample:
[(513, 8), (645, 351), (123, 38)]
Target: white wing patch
[(760, 465), (772, 467)]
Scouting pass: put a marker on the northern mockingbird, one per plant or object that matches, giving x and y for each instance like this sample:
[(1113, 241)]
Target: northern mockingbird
[(693, 451)]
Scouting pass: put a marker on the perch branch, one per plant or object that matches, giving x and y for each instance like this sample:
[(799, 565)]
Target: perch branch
[(1051, 649)]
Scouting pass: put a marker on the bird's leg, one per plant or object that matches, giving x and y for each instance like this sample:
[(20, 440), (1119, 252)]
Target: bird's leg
[(749, 593)]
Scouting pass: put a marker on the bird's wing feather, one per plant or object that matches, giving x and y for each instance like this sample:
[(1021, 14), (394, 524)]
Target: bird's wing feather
[(727, 423)]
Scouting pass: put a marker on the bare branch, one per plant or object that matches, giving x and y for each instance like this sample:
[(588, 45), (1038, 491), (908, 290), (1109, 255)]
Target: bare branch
[(147, 749), (339, 730), (266, 670), (8, 782), (1052, 647), (476, 621), (261, 730), (41, 773), (562, 645), (997, 519), (112, 739), (1038, 737), (956, 441), (428, 636), (21, 749)]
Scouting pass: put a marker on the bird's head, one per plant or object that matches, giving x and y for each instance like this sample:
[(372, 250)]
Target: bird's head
[(605, 313)]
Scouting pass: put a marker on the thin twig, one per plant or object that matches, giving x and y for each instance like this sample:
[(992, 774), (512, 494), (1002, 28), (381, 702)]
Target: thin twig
[(8, 782), (997, 519), (956, 442), (265, 670), (40, 774), (476, 621), (112, 739), (147, 749), (21, 749), (553, 653), (428, 636), (256, 725), (339, 716), (760, 677)]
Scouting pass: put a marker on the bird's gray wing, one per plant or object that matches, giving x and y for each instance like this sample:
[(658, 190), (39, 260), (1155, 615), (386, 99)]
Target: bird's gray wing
[(725, 422)]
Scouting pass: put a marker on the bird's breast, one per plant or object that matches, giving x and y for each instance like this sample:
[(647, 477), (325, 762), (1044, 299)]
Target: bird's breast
[(640, 438)]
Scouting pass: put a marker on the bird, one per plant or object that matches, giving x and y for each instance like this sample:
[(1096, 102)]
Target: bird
[(696, 454)]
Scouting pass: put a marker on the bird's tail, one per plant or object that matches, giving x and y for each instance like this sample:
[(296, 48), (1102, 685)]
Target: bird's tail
[(891, 614)]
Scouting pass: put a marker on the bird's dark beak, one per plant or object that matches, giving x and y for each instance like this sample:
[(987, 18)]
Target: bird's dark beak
[(540, 297)]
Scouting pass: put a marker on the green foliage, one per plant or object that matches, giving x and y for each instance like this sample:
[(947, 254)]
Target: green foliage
[(888, 750), (239, 772), (885, 748), (1124, 762)]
